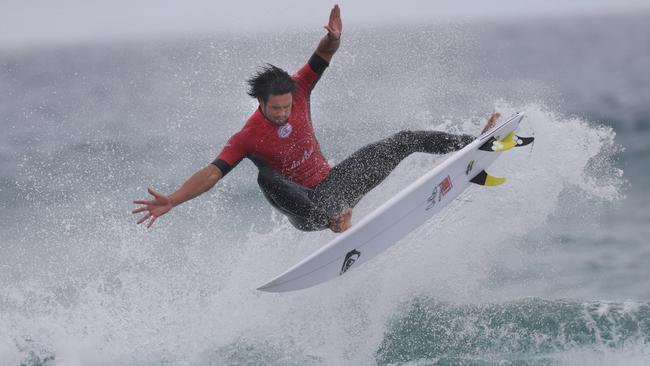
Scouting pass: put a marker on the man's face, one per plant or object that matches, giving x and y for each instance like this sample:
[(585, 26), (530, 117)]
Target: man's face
[(278, 108)]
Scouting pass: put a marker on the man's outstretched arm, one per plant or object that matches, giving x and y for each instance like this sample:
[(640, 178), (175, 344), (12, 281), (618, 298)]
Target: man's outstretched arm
[(199, 183), (330, 43)]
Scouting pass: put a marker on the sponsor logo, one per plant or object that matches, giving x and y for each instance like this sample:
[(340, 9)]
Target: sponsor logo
[(470, 166), (433, 198), (349, 260), (445, 186), (305, 155), (439, 191), (285, 130)]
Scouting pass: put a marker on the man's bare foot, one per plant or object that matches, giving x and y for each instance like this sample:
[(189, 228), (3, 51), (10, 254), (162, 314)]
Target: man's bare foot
[(492, 121), (342, 222)]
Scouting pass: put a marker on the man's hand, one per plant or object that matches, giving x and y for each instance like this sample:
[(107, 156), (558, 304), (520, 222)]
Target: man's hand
[(330, 43), (492, 121), (156, 207), (335, 26)]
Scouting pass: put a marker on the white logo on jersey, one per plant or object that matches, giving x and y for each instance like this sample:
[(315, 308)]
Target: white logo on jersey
[(285, 130), (305, 155)]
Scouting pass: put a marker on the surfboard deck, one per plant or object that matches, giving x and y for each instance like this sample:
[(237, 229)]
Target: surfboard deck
[(409, 209)]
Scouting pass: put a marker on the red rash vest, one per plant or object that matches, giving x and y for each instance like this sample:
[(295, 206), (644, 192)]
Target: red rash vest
[(290, 149)]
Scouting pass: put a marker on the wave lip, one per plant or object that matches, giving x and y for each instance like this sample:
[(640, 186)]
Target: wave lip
[(530, 327)]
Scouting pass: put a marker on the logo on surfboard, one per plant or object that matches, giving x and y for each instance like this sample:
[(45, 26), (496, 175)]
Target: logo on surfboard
[(470, 166), (349, 260), (439, 191)]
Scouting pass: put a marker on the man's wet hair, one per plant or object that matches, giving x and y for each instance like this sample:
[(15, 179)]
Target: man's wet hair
[(270, 80)]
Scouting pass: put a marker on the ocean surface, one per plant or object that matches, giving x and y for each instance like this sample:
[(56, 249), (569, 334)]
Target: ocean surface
[(552, 268)]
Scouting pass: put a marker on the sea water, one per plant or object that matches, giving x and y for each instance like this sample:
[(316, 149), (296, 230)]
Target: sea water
[(551, 268)]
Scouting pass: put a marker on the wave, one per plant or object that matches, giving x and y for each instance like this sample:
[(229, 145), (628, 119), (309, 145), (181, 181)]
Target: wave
[(97, 290), (529, 331), (526, 329)]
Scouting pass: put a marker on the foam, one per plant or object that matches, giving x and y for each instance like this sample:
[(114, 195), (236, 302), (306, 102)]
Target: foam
[(140, 298)]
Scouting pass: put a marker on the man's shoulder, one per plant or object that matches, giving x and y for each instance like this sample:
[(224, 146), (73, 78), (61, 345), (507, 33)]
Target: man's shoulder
[(305, 74), (254, 126)]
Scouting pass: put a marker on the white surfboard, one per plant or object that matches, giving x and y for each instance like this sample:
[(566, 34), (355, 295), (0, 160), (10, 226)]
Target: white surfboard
[(409, 209)]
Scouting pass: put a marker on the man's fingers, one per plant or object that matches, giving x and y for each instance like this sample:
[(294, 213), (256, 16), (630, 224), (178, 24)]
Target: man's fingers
[(334, 24), (153, 193), (142, 202), (153, 219), (138, 210), (144, 218), (337, 18)]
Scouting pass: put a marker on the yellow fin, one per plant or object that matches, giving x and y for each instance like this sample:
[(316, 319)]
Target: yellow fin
[(507, 143), (484, 179), (494, 181)]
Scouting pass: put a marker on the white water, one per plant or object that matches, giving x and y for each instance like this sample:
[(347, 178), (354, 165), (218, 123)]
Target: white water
[(90, 288)]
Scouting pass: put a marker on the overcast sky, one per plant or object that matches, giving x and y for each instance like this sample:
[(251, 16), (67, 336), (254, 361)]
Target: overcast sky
[(27, 22)]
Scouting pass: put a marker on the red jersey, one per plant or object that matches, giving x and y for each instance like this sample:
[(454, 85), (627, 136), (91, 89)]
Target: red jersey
[(290, 149)]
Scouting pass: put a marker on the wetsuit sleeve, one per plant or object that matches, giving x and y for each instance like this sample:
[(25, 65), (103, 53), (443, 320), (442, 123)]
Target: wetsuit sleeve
[(308, 75), (317, 63), (231, 154)]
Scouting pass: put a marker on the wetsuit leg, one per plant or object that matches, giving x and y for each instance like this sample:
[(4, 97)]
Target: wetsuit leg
[(292, 199), (355, 176)]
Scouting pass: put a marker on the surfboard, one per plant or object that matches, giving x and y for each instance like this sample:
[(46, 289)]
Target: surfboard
[(404, 212)]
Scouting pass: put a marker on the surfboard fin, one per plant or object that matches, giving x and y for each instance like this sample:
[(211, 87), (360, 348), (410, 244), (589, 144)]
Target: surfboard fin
[(484, 179), (511, 140)]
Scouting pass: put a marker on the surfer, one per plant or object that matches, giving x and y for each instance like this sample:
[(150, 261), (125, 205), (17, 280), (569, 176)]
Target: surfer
[(294, 176)]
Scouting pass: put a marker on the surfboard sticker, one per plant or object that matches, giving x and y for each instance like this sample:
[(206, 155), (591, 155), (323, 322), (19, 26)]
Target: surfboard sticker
[(401, 214), (350, 258), (470, 165), (439, 191)]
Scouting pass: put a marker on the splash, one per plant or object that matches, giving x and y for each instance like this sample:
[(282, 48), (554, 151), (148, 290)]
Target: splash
[(116, 294)]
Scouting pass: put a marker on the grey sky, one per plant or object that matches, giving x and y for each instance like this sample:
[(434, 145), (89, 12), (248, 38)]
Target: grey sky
[(26, 22)]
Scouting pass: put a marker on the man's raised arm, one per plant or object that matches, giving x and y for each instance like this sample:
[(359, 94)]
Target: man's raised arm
[(330, 43), (199, 183)]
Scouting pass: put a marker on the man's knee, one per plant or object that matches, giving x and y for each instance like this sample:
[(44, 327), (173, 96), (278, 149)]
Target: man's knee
[(400, 139)]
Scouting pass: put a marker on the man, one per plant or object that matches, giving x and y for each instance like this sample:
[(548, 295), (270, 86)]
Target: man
[(293, 174)]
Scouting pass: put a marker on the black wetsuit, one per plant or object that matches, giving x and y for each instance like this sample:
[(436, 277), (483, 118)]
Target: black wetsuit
[(312, 209)]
